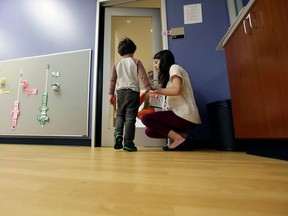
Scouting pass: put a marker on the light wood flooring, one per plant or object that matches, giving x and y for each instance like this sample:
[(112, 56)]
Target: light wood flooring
[(82, 181)]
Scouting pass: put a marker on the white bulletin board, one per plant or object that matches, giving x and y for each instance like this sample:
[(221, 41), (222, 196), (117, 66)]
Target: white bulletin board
[(45, 95)]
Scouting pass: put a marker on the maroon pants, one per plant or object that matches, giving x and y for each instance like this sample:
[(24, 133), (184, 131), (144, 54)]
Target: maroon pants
[(160, 123)]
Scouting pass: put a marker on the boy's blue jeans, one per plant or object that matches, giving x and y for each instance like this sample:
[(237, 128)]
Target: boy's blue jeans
[(127, 110)]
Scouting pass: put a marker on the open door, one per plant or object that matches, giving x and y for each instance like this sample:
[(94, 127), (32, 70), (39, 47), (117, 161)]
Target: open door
[(143, 26)]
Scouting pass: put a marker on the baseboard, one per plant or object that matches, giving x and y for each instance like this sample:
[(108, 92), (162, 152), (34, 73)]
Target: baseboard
[(47, 141), (277, 149)]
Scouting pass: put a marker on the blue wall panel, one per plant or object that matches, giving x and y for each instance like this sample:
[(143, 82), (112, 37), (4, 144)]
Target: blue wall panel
[(245, 2), (197, 53), (37, 27)]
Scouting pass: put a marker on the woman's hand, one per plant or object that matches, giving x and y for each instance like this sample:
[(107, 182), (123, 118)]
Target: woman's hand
[(153, 94)]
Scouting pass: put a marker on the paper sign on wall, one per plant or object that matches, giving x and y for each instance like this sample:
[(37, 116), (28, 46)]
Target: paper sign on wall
[(193, 13)]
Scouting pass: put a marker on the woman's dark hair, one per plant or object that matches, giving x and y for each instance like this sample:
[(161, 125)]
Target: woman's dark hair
[(167, 59), (126, 46)]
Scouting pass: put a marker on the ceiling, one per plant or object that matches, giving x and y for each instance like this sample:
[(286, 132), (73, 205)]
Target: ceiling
[(132, 3)]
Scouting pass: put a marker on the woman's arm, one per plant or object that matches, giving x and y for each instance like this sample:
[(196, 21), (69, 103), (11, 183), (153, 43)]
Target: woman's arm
[(173, 90)]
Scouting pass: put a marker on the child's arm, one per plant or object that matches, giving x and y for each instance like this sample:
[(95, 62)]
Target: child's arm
[(113, 80), (143, 76)]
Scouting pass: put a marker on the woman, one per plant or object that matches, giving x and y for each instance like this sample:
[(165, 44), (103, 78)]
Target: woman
[(180, 113)]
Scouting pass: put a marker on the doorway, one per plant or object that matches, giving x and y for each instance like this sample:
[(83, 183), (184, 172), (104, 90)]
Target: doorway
[(143, 26)]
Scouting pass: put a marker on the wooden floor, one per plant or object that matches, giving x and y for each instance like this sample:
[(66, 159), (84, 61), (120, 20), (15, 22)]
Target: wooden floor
[(81, 181)]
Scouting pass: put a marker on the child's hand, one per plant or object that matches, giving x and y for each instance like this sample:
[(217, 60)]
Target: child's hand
[(146, 97), (113, 101)]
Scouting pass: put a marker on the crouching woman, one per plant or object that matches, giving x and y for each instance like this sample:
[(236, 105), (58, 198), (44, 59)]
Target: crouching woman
[(180, 113)]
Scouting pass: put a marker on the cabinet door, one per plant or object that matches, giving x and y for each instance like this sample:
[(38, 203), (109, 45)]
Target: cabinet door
[(247, 105), (270, 36), (258, 72)]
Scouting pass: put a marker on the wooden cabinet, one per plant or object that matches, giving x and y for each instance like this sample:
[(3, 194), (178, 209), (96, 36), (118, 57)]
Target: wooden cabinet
[(257, 61)]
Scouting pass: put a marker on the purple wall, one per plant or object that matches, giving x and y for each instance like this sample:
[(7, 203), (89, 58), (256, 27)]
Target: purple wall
[(37, 27), (196, 52), (245, 2)]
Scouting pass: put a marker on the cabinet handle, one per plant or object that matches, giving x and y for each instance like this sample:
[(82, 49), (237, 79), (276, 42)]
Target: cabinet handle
[(244, 26), (251, 18)]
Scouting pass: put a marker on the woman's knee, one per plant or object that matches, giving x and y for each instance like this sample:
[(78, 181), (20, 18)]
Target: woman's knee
[(150, 133), (147, 118)]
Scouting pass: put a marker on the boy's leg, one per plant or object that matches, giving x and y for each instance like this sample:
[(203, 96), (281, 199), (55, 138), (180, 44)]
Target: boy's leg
[(118, 142), (120, 119), (132, 107)]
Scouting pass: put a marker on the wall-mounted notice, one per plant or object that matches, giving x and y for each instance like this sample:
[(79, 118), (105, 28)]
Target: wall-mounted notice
[(25, 109), (193, 13)]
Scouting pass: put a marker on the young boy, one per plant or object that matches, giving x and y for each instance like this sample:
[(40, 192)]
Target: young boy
[(125, 76)]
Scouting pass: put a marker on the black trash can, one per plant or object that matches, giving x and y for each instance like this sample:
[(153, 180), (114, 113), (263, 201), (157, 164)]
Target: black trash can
[(221, 122)]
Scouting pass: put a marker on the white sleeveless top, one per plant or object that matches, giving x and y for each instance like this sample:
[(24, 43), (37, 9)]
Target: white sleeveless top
[(183, 105)]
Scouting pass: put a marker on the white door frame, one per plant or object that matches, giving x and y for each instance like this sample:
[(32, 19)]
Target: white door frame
[(107, 138), (99, 3)]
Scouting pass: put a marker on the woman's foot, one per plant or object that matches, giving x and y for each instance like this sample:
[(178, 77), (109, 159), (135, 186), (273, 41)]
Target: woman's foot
[(182, 146), (184, 135), (176, 143)]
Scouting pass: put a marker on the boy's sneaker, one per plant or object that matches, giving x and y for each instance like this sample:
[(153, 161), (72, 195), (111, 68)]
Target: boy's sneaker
[(118, 142), (130, 147)]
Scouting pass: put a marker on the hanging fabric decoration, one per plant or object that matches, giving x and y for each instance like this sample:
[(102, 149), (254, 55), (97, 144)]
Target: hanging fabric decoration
[(28, 91), (16, 111), (2, 81), (43, 117), (55, 86), (31, 91), (3, 90)]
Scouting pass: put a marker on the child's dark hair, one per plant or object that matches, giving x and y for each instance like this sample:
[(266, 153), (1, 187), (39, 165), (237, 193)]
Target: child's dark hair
[(126, 46), (167, 59)]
